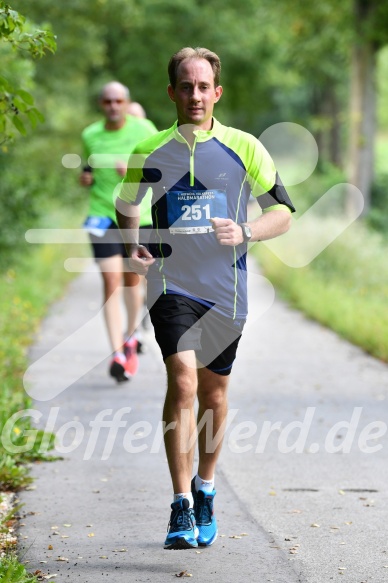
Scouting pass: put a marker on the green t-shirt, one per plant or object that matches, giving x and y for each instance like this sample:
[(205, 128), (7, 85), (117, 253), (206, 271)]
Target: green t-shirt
[(103, 149)]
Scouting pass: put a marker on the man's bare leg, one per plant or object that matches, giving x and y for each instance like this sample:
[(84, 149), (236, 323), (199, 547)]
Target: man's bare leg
[(213, 403), (179, 409), (133, 298), (112, 274)]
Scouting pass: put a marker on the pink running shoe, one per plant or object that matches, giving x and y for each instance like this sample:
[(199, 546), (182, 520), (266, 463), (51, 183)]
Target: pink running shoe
[(130, 351), (118, 370)]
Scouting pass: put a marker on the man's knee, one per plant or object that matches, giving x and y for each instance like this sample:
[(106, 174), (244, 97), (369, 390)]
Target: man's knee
[(182, 388), (212, 399), (181, 381), (131, 279), (212, 390), (111, 285)]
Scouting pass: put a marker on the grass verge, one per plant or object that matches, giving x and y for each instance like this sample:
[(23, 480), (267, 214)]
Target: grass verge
[(11, 571), (36, 279), (345, 287)]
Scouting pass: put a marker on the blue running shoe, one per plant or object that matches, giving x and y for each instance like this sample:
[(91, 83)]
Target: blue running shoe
[(182, 531), (204, 516)]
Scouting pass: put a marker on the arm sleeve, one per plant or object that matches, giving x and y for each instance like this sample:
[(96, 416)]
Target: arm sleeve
[(265, 182), (276, 198)]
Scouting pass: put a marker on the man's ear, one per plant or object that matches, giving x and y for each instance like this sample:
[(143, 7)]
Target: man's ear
[(171, 92), (218, 91)]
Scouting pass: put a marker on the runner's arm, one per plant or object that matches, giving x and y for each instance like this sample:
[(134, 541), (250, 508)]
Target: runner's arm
[(267, 226), (127, 216)]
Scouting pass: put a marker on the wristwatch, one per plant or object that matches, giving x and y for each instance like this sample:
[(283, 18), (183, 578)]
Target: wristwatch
[(246, 231)]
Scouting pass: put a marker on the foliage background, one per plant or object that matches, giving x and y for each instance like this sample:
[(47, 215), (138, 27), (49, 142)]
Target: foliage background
[(292, 61), (283, 61)]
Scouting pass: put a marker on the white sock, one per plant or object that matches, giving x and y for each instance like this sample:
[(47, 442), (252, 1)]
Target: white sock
[(137, 335), (187, 495), (120, 355), (205, 485)]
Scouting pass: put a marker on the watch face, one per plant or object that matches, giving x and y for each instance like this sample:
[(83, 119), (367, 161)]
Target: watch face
[(247, 232)]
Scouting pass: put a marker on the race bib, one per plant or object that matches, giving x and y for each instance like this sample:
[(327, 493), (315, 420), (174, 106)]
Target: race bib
[(189, 213), (97, 225)]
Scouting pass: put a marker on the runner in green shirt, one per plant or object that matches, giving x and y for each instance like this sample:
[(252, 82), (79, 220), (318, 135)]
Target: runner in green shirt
[(107, 145)]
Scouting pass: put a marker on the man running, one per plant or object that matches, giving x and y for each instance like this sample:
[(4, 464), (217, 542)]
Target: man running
[(110, 141), (202, 174)]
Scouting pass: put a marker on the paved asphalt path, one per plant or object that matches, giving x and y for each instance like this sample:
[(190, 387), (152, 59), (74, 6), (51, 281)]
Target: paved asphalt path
[(302, 479)]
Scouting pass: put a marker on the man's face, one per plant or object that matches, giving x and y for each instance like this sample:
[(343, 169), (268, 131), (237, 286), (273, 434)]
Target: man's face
[(114, 104), (195, 94)]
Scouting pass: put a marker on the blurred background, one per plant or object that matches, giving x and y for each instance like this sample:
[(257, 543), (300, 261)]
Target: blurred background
[(323, 66)]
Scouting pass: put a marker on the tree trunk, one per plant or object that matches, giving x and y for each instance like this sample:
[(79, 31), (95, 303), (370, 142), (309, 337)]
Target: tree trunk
[(335, 146), (362, 111)]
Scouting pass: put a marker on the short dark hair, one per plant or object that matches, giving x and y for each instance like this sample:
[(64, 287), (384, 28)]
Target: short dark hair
[(197, 53)]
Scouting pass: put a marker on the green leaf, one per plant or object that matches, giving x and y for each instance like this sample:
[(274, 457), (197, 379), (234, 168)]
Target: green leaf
[(38, 114), (32, 118), (20, 105), (27, 97), (4, 84), (19, 125)]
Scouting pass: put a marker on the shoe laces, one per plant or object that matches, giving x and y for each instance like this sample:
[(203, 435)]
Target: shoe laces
[(204, 508), (182, 517)]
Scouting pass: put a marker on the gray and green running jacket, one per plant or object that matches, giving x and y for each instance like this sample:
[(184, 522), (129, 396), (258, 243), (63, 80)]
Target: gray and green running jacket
[(214, 177)]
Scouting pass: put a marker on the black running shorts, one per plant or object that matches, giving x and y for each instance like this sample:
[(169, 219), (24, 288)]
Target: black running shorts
[(111, 243), (181, 323)]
